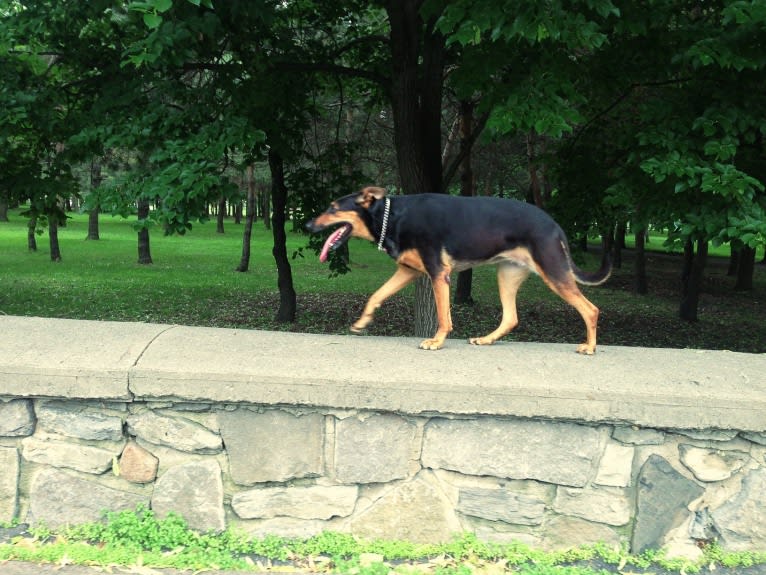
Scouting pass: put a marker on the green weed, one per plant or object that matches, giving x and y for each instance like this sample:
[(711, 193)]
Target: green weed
[(140, 538)]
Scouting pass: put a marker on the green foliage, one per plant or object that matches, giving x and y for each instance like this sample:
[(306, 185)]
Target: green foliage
[(139, 538)]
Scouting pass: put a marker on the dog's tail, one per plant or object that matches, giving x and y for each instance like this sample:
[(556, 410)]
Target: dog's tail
[(593, 278)]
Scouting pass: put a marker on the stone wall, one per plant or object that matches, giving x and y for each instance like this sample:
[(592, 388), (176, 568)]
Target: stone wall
[(420, 459)]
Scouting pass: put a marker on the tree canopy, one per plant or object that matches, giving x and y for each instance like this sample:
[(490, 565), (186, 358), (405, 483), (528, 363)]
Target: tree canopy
[(604, 111)]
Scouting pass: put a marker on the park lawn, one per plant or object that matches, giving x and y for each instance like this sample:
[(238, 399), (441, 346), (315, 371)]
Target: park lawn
[(191, 274), (192, 282)]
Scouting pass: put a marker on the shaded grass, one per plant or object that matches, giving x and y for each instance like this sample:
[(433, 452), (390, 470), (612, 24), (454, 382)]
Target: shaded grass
[(193, 282)]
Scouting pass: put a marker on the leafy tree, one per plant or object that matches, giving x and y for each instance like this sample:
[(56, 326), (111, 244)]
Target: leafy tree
[(656, 115)]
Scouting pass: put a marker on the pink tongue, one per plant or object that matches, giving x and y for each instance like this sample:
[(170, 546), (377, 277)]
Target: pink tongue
[(329, 242)]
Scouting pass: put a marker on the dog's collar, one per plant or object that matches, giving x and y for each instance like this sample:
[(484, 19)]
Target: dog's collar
[(384, 227)]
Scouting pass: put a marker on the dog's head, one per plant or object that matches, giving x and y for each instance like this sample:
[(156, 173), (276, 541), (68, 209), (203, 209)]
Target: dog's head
[(351, 212)]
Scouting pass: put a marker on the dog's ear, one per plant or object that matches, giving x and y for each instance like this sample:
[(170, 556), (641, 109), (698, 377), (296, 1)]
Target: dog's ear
[(370, 194)]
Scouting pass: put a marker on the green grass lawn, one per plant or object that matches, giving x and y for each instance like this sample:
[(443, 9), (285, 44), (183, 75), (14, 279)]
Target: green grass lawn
[(192, 282)]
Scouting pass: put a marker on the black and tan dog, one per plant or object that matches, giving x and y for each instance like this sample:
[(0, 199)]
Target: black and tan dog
[(437, 234)]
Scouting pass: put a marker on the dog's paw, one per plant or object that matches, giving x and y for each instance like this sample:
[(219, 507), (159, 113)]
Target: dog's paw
[(431, 344), (585, 349), (480, 341), (357, 330)]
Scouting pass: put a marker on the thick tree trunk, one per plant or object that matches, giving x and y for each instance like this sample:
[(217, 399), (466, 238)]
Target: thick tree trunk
[(417, 57), (144, 249), (93, 232), (287, 298), (265, 203), (465, 278), (535, 187), (3, 206), (619, 244), (417, 60), (244, 262), (640, 283), (607, 245), (238, 213), (221, 215), (95, 182), (53, 233), (691, 279), (32, 235), (745, 269), (733, 261)]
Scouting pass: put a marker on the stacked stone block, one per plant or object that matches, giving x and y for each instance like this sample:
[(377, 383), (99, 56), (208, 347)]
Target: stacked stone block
[(295, 471)]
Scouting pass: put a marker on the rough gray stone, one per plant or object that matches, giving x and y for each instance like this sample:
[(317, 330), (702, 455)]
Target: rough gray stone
[(501, 505), (609, 505), (741, 521), (662, 502), (272, 446), (194, 491), (176, 432), (287, 527), (414, 510), (58, 498), (711, 464), (562, 453), (616, 466), (79, 457), (375, 449), (638, 436), (137, 465), (9, 483), (563, 532), (75, 421), (315, 502), (759, 438), (709, 434), (17, 418)]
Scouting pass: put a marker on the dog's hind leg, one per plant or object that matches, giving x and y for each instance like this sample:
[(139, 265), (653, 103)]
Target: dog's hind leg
[(570, 293), (402, 277), (510, 276)]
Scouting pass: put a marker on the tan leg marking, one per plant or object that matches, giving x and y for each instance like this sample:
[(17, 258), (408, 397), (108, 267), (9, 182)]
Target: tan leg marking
[(509, 279), (571, 294), (402, 277), (441, 297)]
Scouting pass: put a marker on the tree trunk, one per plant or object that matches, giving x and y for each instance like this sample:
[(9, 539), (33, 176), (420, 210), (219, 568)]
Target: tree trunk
[(265, 208), (417, 58), (733, 261), (287, 299), (244, 262), (745, 269), (53, 233), (32, 235), (535, 188), (640, 283), (95, 182), (417, 61), (619, 244), (465, 278), (93, 233), (144, 249), (3, 206), (607, 245), (221, 214), (691, 279)]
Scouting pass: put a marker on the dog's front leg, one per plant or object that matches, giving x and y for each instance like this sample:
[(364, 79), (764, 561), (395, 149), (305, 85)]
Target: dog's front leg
[(402, 277), (440, 285)]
